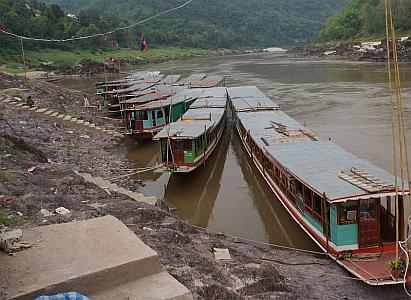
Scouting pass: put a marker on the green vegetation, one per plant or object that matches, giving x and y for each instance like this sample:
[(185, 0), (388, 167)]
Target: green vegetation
[(6, 219), (202, 24), (211, 25), (5, 176), (365, 19), (14, 92), (12, 62)]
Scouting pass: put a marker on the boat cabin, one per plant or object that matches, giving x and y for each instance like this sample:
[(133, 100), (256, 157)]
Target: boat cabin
[(144, 120), (187, 143)]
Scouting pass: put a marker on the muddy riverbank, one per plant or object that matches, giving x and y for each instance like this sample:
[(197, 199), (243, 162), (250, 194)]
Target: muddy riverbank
[(57, 149)]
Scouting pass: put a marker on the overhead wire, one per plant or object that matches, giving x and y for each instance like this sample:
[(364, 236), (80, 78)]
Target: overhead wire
[(98, 34)]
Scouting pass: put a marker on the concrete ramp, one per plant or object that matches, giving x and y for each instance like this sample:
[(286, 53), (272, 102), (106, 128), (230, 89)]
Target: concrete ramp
[(100, 258)]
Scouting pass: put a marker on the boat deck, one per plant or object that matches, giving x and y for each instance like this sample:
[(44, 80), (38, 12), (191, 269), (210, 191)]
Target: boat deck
[(374, 270)]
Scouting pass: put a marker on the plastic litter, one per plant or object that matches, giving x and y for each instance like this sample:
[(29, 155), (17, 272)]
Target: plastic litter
[(46, 213), (62, 211), (32, 169), (221, 254)]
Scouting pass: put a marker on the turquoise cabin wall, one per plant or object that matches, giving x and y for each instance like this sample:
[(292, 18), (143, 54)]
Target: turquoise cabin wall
[(342, 235), (313, 222), (148, 123)]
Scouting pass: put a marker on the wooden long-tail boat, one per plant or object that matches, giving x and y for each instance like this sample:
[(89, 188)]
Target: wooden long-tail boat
[(143, 121), (186, 144), (344, 203)]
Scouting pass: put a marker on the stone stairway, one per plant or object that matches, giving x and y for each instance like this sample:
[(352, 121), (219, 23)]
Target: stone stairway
[(112, 187), (58, 116), (100, 258)]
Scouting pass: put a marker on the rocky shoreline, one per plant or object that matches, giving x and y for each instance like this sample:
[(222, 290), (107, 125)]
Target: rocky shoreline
[(53, 151), (367, 51)]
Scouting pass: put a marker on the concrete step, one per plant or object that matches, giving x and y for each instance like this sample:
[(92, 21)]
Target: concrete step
[(150, 200), (87, 177), (154, 287), (60, 116), (41, 110), (80, 121), (104, 184), (88, 256), (100, 182), (114, 187), (122, 190), (55, 114), (49, 112), (67, 118)]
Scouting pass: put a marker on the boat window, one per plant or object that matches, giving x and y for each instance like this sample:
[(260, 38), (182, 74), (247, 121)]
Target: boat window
[(308, 199), (144, 115), (177, 145), (368, 210), (188, 145), (317, 204), (347, 212), (292, 184), (160, 114), (167, 113)]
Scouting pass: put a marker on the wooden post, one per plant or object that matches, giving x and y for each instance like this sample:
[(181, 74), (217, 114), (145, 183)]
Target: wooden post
[(325, 221)]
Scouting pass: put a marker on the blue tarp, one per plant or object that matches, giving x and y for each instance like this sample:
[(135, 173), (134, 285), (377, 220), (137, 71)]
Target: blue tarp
[(64, 296)]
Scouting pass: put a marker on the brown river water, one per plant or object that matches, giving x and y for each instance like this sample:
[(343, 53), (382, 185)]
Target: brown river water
[(342, 100)]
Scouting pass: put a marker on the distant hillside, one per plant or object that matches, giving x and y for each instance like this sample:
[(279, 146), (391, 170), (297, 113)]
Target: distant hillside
[(215, 23), (363, 18)]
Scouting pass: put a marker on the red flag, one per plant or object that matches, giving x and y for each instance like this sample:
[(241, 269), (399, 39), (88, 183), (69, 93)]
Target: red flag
[(143, 46)]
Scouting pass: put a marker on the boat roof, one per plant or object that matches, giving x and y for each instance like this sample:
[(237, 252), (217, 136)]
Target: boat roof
[(274, 127), (200, 117), (185, 95), (250, 98), (140, 86), (143, 74), (193, 124), (171, 79), (192, 79), (320, 165), (208, 82), (133, 79), (148, 98)]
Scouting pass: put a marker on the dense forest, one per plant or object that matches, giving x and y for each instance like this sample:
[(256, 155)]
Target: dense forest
[(364, 18), (202, 24)]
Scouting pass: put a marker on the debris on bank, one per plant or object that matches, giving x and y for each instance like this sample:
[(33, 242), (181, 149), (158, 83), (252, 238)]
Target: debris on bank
[(367, 51)]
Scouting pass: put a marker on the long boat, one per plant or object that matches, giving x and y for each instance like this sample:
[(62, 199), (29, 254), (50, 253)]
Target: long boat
[(145, 115), (186, 144), (143, 121), (344, 203), (103, 87)]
